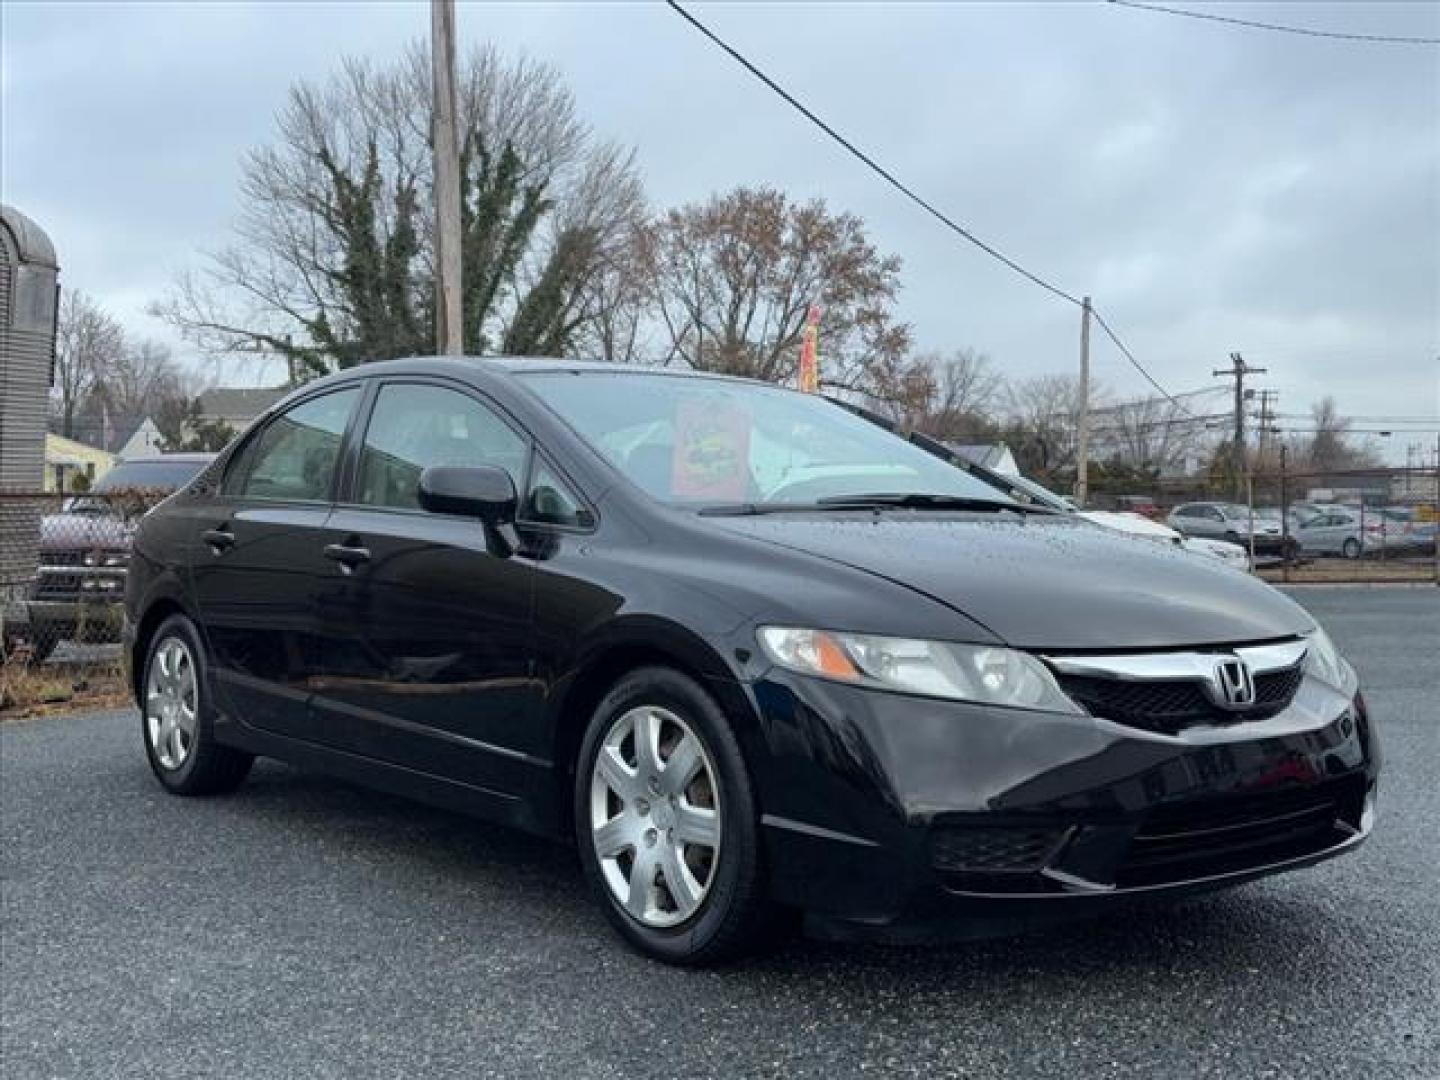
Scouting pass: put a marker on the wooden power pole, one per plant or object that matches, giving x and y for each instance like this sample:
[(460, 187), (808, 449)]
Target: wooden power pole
[(1082, 447), (1237, 370), (449, 323)]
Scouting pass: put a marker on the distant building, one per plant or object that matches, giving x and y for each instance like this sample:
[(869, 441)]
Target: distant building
[(67, 459), (236, 406), (994, 456), (144, 441)]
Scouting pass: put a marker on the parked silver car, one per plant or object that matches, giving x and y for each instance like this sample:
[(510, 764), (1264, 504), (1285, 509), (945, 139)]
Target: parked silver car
[(1230, 522), (1345, 531)]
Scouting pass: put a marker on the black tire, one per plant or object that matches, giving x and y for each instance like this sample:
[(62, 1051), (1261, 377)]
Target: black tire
[(208, 767), (1351, 548), (735, 914), (41, 647)]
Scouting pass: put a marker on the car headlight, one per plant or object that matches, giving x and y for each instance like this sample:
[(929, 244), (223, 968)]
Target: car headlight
[(1323, 660), (980, 673)]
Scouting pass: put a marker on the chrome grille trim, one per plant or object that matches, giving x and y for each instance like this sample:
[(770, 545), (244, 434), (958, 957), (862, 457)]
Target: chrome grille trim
[(1189, 665)]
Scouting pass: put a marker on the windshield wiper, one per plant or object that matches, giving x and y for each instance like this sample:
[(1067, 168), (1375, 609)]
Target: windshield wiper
[(921, 500), (907, 500)]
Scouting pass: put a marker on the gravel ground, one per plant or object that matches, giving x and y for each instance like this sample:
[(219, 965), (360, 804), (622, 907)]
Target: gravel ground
[(305, 928)]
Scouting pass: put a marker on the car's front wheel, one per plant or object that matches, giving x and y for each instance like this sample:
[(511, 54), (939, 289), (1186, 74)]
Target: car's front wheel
[(666, 821), (175, 717)]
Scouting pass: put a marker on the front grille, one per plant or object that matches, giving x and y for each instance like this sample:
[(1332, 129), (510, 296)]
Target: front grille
[(991, 849), (72, 557), (102, 585), (1216, 836), (1170, 706)]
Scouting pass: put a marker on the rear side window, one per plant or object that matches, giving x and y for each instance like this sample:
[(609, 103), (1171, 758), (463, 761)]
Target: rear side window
[(414, 426), (295, 456)]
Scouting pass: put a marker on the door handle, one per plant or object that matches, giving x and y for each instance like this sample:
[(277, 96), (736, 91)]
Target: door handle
[(220, 540), (347, 555)]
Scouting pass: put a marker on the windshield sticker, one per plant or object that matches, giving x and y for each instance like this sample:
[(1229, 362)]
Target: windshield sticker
[(712, 450)]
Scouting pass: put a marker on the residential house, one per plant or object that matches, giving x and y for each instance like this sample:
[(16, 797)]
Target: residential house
[(67, 459), (144, 441), (236, 406), (994, 456)]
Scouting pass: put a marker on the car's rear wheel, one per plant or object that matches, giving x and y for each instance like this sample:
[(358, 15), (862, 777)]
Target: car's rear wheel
[(1351, 548), (175, 718), (666, 821)]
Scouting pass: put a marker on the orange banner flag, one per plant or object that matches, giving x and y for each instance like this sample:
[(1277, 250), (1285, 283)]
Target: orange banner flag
[(810, 352)]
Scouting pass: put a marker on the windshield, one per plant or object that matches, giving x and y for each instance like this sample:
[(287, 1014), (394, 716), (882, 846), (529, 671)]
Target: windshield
[(707, 442)]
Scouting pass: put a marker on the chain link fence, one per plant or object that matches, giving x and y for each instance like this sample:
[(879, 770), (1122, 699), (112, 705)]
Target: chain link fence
[(63, 561), (1353, 525)]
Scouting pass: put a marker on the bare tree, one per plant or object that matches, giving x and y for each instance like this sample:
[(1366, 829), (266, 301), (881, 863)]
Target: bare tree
[(333, 258), (733, 278), (88, 345), (1330, 447), (951, 395), (1146, 434), (1044, 420), (141, 380)]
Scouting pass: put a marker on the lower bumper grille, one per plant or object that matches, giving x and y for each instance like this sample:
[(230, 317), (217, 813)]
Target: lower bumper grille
[(1224, 835), (992, 849)]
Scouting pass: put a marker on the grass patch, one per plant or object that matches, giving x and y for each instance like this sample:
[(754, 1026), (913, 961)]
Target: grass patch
[(30, 689)]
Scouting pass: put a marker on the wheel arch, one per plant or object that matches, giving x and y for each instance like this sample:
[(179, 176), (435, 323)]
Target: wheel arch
[(156, 612), (625, 648)]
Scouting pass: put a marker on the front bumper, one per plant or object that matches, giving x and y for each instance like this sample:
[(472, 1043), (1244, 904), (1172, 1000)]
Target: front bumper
[(890, 813), (97, 621)]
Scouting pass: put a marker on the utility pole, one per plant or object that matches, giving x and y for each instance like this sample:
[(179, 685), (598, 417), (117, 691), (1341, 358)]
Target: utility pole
[(1238, 370), (449, 324), (1082, 449), (1267, 414)]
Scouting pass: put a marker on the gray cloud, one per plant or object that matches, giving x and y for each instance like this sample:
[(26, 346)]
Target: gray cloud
[(1215, 189)]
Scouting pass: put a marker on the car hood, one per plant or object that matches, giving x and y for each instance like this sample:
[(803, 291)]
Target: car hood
[(1046, 582)]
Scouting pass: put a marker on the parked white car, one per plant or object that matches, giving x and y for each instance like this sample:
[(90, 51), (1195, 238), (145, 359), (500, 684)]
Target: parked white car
[(1133, 524), (1139, 525)]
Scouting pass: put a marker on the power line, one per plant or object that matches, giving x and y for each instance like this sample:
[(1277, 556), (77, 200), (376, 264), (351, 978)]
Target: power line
[(1305, 31), (1135, 363), (960, 230), (894, 182)]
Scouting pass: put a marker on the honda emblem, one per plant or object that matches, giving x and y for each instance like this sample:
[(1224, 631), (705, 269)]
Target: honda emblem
[(1234, 683)]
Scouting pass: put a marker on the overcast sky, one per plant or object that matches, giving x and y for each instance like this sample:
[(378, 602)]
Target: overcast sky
[(1214, 188)]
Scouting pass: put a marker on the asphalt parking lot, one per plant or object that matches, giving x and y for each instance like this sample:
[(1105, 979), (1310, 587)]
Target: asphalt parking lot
[(303, 928)]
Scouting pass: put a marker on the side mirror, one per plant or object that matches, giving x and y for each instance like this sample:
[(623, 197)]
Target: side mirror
[(484, 492)]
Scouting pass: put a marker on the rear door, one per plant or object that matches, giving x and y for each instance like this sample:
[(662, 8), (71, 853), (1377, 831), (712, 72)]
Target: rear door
[(432, 668), (260, 576)]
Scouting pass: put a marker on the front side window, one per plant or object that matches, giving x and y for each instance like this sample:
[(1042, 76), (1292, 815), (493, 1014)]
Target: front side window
[(415, 426), (551, 502), (704, 442), (295, 456)]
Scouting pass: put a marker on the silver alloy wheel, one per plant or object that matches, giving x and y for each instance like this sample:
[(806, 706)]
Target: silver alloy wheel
[(171, 702), (655, 816)]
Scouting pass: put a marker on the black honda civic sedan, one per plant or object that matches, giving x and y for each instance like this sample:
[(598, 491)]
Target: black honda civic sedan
[(752, 652)]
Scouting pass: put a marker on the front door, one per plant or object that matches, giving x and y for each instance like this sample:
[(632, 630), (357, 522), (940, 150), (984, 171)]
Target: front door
[(435, 670), (260, 576)]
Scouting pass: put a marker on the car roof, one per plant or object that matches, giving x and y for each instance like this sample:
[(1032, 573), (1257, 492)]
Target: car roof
[(514, 365)]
